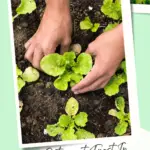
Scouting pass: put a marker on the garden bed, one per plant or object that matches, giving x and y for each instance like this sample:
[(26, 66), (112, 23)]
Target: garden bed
[(43, 103)]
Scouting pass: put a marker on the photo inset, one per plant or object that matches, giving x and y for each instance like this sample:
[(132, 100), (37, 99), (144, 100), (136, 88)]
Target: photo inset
[(71, 70)]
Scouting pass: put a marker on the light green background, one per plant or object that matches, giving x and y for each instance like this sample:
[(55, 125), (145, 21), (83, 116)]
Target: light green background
[(8, 124), (141, 30)]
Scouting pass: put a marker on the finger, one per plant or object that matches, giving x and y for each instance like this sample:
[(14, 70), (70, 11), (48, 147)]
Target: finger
[(90, 49), (29, 53), (103, 84), (28, 43), (49, 50), (65, 46), (98, 84), (89, 79), (38, 55), (64, 49)]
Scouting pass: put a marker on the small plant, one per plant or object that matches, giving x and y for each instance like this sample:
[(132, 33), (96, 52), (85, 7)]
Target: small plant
[(29, 75), (110, 26), (67, 67), (112, 88), (124, 118), (26, 6), (70, 126), (112, 9), (20, 81), (86, 24)]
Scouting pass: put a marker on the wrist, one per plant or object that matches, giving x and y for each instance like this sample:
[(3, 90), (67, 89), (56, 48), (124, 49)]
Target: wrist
[(58, 5), (119, 34)]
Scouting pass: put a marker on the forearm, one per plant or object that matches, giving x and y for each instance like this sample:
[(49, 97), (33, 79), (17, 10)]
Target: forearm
[(59, 5), (118, 34)]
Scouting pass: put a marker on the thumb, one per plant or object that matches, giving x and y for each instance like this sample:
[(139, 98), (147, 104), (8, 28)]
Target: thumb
[(91, 49)]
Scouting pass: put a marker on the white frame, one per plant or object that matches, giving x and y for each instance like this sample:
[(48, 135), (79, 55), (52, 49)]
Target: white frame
[(133, 102), (141, 8)]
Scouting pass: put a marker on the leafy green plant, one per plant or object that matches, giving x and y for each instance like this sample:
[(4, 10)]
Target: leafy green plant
[(112, 9), (29, 75), (70, 126), (112, 88), (86, 24), (20, 81), (110, 26), (67, 67), (124, 118), (26, 6)]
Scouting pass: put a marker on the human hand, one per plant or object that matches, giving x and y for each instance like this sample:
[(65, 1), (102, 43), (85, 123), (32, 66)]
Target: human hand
[(108, 50), (55, 29)]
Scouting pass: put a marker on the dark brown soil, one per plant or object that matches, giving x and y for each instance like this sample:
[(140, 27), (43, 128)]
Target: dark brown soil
[(43, 105)]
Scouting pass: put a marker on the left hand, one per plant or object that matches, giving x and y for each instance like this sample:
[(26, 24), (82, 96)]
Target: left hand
[(108, 50)]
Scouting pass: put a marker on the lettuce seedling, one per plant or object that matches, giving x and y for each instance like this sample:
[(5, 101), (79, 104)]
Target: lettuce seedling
[(110, 26), (112, 9), (20, 81), (86, 24), (69, 126), (26, 6), (124, 118), (29, 75), (67, 67), (112, 88)]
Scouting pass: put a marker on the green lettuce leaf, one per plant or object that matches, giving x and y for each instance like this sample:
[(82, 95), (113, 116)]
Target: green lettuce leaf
[(120, 103), (70, 57), (61, 83), (69, 134), (64, 120), (112, 9), (54, 130), (18, 71), (110, 27), (75, 78), (21, 84), (112, 88), (26, 6), (123, 66), (120, 115), (72, 107), (121, 128), (81, 119), (121, 78), (86, 24), (113, 112), (83, 134), (72, 124), (30, 75), (95, 27), (53, 64), (83, 65)]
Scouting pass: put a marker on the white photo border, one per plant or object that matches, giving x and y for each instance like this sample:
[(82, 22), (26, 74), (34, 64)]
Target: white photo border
[(141, 8), (132, 89)]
